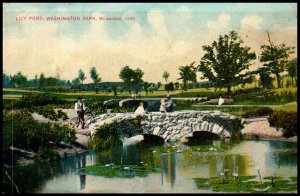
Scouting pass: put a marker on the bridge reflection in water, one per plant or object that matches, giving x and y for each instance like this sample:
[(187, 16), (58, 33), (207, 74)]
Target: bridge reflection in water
[(176, 163), (169, 167), (178, 169)]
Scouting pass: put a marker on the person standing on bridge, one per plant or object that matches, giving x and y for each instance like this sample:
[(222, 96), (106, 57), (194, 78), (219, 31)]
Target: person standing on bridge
[(80, 108)]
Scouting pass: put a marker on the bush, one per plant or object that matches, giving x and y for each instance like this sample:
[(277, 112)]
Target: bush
[(36, 99), (108, 135), (233, 126), (266, 111), (22, 131), (285, 120), (62, 115)]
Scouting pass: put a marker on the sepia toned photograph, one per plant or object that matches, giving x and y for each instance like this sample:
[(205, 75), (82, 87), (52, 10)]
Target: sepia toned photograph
[(149, 98)]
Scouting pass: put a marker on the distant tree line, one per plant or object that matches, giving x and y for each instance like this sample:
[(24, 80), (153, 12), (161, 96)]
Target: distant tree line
[(225, 64)]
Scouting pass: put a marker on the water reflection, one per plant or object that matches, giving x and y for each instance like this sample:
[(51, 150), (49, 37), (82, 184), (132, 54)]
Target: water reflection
[(169, 167), (178, 169), (82, 165)]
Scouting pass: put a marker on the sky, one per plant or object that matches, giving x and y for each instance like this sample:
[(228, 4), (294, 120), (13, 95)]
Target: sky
[(160, 37)]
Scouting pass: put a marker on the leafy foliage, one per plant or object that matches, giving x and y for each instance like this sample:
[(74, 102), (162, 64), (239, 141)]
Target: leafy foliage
[(258, 112), (19, 79), (292, 70), (275, 58), (265, 79), (166, 75), (94, 75), (187, 73), (286, 120), (108, 135), (81, 76), (225, 62), (49, 112), (36, 99), (132, 78), (21, 130), (232, 125)]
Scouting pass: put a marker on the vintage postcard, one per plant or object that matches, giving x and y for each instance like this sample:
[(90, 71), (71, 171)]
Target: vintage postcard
[(149, 98)]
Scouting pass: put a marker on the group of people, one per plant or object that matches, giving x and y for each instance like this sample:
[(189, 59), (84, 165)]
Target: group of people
[(166, 105)]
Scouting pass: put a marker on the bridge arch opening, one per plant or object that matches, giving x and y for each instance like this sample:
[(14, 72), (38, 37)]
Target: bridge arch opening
[(201, 137), (150, 140)]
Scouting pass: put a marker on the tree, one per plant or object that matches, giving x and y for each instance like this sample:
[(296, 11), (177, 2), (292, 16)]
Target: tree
[(96, 89), (51, 81), (36, 80), (265, 79), (169, 87), (292, 70), (225, 62), (158, 85), (114, 88), (275, 57), (176, 85), (166, 75), (19, 79), (42, 80), (6, 80), (187, 73), (94, 75), (146, 87), (75, 83), (132, 78), (81, 76)]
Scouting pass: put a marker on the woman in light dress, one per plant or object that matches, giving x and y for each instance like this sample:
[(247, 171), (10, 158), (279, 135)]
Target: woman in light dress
[(162, 108), (140, 109)]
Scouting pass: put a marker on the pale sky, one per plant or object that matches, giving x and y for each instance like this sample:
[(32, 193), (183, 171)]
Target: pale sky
[(162, 36)]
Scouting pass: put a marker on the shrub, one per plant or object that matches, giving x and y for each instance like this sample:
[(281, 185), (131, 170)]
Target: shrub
[(22, 131), (62, 115), (285, 120), (233, 126), (266, 111), (108, 135), (37, 99)]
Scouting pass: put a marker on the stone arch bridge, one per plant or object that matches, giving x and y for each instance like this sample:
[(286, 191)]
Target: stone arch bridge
[(171, 126)]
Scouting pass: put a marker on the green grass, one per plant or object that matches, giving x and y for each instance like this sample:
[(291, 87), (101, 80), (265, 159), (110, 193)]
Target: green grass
[(251, 98)]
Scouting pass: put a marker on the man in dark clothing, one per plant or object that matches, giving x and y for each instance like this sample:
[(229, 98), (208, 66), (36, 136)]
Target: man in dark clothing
[(169, 104)]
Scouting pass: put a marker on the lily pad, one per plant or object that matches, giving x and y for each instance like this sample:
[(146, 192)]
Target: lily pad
[(119, 171), (245, 184), (294, 178), (274, 177)]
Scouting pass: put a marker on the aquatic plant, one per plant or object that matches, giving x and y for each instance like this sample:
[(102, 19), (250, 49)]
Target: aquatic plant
[(247, 184), (119, 171)]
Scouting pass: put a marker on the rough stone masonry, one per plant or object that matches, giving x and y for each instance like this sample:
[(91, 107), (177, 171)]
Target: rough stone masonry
[(169, 126)]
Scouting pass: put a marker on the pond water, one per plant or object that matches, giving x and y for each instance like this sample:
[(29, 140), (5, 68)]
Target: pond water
[(177, 168)]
